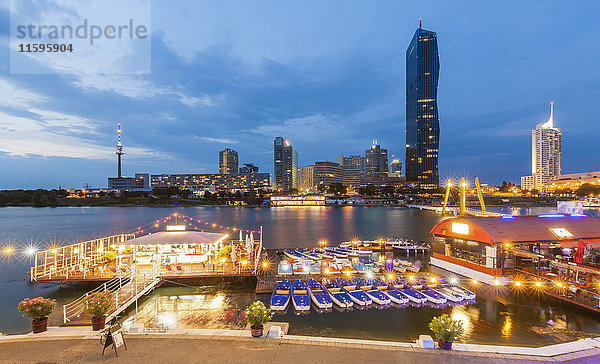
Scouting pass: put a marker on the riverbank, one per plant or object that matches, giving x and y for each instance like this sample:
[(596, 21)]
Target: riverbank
[(78, 345)]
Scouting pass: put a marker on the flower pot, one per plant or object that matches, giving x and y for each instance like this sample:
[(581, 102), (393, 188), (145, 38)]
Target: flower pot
[(445, 345), (256, 331), (97, 323), (39, 325)]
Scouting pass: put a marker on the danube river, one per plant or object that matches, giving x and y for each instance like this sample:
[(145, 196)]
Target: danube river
[(507, 318)]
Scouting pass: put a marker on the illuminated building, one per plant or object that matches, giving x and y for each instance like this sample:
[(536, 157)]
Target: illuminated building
[(546, 150), (228, 161), (248, 168), (285, 165), (396, 168), (573, 181), (307, 200), (213, 182), (422, 118), (356, 161), (306, 178), (477, 247), (326, 173), (376, 161), (351, 176)]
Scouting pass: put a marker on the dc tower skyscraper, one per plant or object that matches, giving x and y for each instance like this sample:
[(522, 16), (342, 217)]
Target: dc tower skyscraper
[(422, 119)]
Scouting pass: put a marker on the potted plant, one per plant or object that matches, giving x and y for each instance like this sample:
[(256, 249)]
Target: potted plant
[(257, 315), (38, 310), (446, 330), (97, 304)]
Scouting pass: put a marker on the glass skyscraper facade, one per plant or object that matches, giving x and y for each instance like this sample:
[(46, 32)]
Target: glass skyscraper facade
[(422, 119), (285, 165)]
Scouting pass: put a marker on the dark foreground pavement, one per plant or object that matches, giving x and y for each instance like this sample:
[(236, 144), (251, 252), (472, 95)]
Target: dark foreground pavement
[(193, 349)]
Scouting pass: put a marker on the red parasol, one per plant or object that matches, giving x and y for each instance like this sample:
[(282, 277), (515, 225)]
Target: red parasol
[(579, 253)]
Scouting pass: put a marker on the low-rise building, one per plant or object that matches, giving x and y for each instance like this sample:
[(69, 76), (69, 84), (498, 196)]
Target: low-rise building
[(573, 181), (141, 181), (213, 182)]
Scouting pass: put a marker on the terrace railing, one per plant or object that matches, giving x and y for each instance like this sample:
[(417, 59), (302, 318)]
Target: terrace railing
[(76, 260)]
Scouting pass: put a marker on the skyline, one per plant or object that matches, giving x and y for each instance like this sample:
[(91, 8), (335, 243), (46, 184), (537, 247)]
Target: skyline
[(330, 81)]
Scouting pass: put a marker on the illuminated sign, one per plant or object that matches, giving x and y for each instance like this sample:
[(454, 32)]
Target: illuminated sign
[(175, 227), (460, 228), (561, 233)]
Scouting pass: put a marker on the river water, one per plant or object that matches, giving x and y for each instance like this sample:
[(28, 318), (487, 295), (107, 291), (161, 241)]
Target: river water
[(496, 317)]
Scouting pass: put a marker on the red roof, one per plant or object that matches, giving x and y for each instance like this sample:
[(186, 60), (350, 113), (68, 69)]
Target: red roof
[(520, 229)]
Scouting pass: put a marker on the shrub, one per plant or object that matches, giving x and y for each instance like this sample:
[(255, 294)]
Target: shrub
[(446, 329), (37, 308), (98, 303), (257, 314)]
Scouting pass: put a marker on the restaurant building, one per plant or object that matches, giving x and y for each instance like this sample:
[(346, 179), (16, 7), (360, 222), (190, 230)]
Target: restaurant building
[(491, 248)]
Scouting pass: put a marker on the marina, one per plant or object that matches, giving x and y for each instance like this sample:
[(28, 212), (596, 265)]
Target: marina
[(218, 304)]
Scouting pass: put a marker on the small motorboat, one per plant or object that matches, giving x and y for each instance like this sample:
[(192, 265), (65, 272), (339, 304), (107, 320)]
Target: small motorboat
[(292, 254), (281, 296), (337, 294), (468, 295), (318, 294), (394, 294), (360, 267), (449, 294), (302, 267), (372, 291), (345, 266), (284, 268), (357, 295), (328, 267), (324, 253), (433, 296), (300, 297), (336, 253), (314, 268)]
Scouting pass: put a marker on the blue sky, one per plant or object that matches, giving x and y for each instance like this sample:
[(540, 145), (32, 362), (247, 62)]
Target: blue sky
[(328, 75)]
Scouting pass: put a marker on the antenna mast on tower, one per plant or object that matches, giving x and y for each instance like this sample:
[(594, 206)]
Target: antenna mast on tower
[(119, 151)]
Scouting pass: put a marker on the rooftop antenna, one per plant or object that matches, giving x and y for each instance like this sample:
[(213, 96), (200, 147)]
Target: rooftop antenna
[(419, 23), (119, 150)]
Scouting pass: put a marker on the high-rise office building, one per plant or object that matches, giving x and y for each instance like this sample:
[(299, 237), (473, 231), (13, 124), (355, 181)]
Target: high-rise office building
[(546, 150), (376, 161), (228, 161), (422, 118), (357, 161), (285, 165), (326, 173)]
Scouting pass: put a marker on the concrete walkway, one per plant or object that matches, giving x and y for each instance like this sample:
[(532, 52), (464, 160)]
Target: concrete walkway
[(81, 345)]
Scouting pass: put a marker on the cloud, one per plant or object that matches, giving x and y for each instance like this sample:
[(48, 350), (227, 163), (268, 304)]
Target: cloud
[(218, 140)]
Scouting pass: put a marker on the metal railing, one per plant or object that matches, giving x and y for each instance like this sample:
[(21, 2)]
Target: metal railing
[(76, 308), (79, 259)]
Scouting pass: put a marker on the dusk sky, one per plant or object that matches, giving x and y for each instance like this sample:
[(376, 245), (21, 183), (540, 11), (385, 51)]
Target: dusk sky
[(328, 75)]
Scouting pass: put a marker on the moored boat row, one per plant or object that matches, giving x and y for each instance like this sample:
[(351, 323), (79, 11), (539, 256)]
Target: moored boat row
[(364, 292)]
